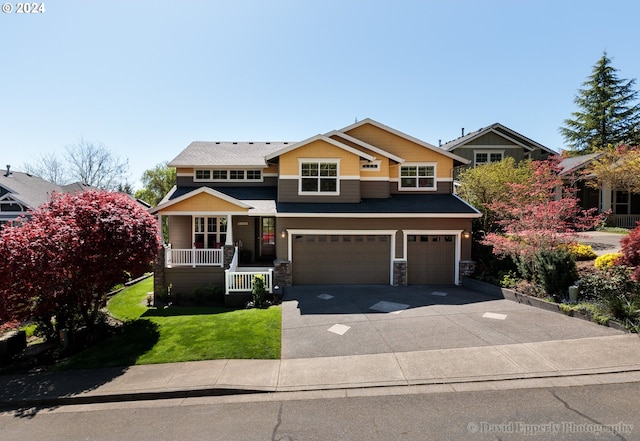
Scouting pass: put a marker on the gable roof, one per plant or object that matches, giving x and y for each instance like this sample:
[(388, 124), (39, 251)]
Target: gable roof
[(28, 190), (500, 130), (175, 196), (363, 144), (575, 163), (228, 154), (324, 138), (405, 136)]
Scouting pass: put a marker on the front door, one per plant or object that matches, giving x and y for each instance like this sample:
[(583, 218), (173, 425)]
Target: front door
[(267, 237)]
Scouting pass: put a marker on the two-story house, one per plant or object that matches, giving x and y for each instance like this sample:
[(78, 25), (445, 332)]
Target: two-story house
[(366, 204)]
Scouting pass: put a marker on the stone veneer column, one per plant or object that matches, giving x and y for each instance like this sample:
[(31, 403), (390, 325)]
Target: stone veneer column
[(399, 273), (282, 273), (158, 273), (227, 255), (467, 268)]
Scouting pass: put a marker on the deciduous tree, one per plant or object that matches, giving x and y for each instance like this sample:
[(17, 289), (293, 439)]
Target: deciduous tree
[(538, 215), (617, 169), (157, 182), (62, 261), (86, 162), (487, 184)]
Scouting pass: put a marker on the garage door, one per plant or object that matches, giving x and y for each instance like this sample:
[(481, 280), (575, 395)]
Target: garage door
[(341, 259), (430, 259)]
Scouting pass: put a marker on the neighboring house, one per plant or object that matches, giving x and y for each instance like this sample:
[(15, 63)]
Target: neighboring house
[(21, 192), (493, 144), (624, 206), (365, 204)]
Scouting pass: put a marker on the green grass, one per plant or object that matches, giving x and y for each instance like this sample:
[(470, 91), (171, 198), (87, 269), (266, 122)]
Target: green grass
[(177, 334)]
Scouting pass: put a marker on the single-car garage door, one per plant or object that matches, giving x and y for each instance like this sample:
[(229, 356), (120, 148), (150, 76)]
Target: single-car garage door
[(430, 259), (341, 259)]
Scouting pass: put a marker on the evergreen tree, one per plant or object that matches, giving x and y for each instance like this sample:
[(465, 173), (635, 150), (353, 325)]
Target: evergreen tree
[(608, 115)]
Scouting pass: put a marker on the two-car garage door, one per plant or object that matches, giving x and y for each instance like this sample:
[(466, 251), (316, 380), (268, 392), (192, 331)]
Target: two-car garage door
[(366, 259), (341, 259)]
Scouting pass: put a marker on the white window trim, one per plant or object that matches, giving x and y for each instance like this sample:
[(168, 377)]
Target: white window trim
[(206, 233), (318, 160), (488, 152), (419, 164), (228, 179)]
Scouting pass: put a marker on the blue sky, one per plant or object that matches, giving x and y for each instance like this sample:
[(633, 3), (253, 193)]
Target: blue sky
[(148, 77)]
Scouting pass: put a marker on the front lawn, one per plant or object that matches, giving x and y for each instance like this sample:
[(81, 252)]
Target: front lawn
[(177, 334)]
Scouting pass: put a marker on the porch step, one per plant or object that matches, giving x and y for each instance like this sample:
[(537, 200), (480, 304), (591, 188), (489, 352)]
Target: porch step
[(253, 269)]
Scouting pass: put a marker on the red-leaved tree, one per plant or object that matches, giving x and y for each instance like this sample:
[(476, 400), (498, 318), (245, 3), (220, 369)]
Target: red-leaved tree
[(538, 215), (58, 264), (630, 252)]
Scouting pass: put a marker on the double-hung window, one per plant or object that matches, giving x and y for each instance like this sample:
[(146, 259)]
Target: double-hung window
[(487, 157), (418, 177), (319, 177), (209, 232)]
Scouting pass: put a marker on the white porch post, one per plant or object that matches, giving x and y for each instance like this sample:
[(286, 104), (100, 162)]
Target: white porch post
[(229, 240), (605, 198)]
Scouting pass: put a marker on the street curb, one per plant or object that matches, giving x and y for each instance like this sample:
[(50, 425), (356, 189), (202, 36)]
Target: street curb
[(219, 392)]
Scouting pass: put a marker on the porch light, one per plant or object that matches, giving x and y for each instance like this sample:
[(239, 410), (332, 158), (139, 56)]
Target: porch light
[(466, 234), (283, 233)]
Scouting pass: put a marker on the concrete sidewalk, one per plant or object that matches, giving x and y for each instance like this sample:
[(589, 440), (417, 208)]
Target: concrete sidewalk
[(579, 360)]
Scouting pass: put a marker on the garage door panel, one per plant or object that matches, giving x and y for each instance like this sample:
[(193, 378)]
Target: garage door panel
[(341, 259), (430, 259)]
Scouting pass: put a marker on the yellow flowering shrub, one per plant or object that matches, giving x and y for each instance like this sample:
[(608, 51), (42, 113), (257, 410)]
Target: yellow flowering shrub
[(580, 251), (606, 260)]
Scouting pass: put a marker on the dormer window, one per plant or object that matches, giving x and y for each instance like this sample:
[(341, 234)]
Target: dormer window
[(319, 177), (205, 175), (418, 177)]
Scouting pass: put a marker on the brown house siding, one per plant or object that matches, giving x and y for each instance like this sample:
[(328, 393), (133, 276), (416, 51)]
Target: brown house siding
[(186, 279), (374, 189), (349, 192), (443, 187), (180, 230)]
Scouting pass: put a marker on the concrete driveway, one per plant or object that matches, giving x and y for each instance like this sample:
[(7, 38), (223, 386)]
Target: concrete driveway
[(602, 242), (336, 320)]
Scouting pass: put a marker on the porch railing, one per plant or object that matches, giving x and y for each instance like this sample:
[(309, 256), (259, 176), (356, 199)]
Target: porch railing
[(241, 280), (193, 257), (625, 220)]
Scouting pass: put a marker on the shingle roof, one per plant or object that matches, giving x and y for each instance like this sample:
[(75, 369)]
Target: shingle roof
[(242, 154), (263, 199), (501, 130), (31, 191), (568, 165), (445, 204)]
